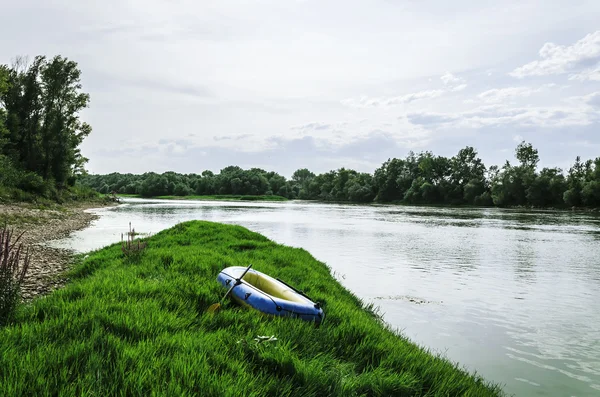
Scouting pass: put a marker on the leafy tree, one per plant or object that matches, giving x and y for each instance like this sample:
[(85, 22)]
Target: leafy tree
[(467, 180), (547, 188), (391, 180), (42, 103), (527, 155), (181, 189), (4, 133), (575, 182)]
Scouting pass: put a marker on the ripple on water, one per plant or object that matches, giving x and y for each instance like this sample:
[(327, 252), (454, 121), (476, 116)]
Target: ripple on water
[(528, 382)]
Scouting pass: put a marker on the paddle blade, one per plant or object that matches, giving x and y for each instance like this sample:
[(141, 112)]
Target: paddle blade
[(215, 307)]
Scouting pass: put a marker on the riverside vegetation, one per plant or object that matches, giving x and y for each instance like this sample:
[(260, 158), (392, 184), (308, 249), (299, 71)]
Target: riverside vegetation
[(137, 325), (421, 178), (40, 131)]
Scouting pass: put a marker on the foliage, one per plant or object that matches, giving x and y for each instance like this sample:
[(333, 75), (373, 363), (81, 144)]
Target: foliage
[(144, 330), (40, 130), (420, 178), (13, 268)]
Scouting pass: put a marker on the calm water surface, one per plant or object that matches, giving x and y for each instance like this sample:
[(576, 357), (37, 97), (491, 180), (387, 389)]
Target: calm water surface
[(512, 295)]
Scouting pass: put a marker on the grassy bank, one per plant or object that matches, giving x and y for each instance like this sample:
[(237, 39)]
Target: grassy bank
[(139, 327), (226, 197)]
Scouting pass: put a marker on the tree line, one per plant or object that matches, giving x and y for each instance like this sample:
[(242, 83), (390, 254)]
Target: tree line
[(420, 178), (40, 130)]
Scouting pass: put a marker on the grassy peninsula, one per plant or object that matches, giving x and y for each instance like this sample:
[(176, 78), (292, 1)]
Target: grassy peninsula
[(137, 325)]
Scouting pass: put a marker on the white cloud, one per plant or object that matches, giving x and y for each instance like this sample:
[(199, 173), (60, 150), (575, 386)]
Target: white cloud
[(504, 94), (592, 99), (451, 84), (366, 102), (518, 138), (498, 115), (459, 87), (557, 59), (451, 80), (587, 74), (316, 126), (588, 101)]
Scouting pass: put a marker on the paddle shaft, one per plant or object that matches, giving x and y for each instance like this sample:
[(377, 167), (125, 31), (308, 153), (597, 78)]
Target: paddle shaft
[(237, 282)]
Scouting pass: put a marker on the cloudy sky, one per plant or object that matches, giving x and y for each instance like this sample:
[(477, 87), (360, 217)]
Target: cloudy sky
[(188, 85)]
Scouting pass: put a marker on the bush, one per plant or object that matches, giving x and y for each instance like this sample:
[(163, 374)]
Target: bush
[(485, 200), (80, 192), (181, 189), (12, 272), (32, 183), (9, 175)]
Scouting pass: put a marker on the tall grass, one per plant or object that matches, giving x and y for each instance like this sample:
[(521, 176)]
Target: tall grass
[(123, 328), (13, 268)]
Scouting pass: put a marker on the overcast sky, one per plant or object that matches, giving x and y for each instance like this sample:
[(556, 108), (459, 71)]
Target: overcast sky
[(186, 85)]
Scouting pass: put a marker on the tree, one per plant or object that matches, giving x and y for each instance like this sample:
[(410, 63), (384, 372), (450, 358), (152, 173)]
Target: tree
[(575, 181), (42, 105), (547, 188), (527, 155), (467, 177), (302, 175), (3, 89), (391, 180), (181, 189)]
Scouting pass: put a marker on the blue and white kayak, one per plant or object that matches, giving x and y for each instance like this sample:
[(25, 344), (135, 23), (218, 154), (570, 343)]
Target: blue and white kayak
[(269, 295)]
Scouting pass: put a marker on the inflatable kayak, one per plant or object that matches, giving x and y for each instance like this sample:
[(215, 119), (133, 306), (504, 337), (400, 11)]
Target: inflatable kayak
[(269, 295)]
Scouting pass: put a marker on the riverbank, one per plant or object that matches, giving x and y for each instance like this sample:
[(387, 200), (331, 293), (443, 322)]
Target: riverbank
[(139, 326), (228, 197), (41, 224)]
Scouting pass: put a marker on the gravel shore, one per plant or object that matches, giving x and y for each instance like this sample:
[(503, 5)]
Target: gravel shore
[(40, 226)]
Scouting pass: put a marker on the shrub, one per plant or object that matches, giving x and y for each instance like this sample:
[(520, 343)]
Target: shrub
[(13, 268), (32, 183), (9, 175)]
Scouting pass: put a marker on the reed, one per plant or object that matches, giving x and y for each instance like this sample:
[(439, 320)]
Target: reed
[(132, 248), (14, 263)]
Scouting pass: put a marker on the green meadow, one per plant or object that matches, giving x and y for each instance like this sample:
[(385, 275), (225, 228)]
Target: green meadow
[(137, 325)]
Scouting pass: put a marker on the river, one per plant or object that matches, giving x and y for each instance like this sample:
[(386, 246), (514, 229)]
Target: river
[(512, 295)]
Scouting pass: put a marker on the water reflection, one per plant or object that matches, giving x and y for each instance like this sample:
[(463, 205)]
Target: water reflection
[(514, 295)]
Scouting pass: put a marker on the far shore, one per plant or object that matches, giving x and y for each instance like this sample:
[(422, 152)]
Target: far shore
[(375, 203)]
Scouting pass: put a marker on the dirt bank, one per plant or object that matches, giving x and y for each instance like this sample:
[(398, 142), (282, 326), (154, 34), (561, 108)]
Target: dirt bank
[(40, 226)]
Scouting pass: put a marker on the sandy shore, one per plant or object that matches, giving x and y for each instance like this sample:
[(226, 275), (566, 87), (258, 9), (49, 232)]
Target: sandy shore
[(40, 226)]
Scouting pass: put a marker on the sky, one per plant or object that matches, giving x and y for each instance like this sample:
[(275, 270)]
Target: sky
[(188, 86)]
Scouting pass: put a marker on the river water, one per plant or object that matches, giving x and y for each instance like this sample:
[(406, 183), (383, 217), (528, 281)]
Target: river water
[(512, 295)]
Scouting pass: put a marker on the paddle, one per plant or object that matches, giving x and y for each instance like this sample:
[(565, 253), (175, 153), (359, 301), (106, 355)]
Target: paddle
[(216, 306)]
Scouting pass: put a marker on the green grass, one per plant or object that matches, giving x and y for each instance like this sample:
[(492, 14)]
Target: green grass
[(140, 327), (225, 197)]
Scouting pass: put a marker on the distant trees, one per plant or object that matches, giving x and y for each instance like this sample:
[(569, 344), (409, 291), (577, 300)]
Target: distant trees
[(427, 179), (40, 130), (421, 178)]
